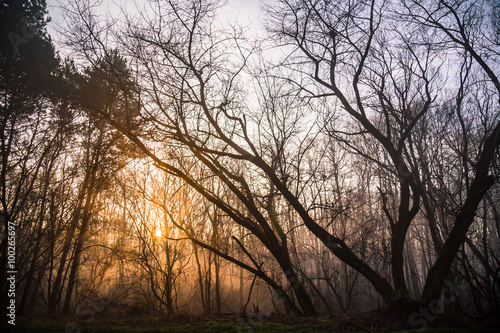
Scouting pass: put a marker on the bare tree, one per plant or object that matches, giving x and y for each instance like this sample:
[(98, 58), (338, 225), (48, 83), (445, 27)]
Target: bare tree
[(364, 55), (358, 75)]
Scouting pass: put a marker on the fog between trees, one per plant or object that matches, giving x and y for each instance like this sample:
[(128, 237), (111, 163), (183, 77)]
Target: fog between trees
[(344, 160)]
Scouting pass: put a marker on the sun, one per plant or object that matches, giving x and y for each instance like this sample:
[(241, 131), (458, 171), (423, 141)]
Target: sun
[(158, 232)]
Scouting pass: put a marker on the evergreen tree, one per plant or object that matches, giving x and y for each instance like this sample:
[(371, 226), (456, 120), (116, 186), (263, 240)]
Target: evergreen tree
[(27, 63)]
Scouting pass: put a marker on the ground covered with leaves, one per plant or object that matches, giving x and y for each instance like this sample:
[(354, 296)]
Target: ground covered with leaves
[(377, 321)]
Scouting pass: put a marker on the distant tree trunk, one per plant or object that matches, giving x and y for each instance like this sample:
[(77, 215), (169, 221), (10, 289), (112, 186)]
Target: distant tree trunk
[(169, 289), (40, 221), (412, 273), (169, 284), (208, 284), (55, 294), (36, 250), (218, 300), (200, 277), (240, 255), (86, 216)]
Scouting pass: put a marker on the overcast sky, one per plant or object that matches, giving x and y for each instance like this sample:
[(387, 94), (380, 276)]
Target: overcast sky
[(246, 12)]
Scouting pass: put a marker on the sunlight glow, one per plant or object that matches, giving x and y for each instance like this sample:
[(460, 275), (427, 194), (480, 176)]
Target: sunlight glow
[(158, 232)]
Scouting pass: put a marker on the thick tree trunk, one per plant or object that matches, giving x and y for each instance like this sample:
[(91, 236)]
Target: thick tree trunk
[(299, 290), (397, 259), (334, 244), (479, 186)]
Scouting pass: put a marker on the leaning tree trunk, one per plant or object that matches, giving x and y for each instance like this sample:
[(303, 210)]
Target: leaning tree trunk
[(480, 185)]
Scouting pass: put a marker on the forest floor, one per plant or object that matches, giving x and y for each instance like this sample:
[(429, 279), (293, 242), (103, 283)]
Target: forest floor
[(369, 322)]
